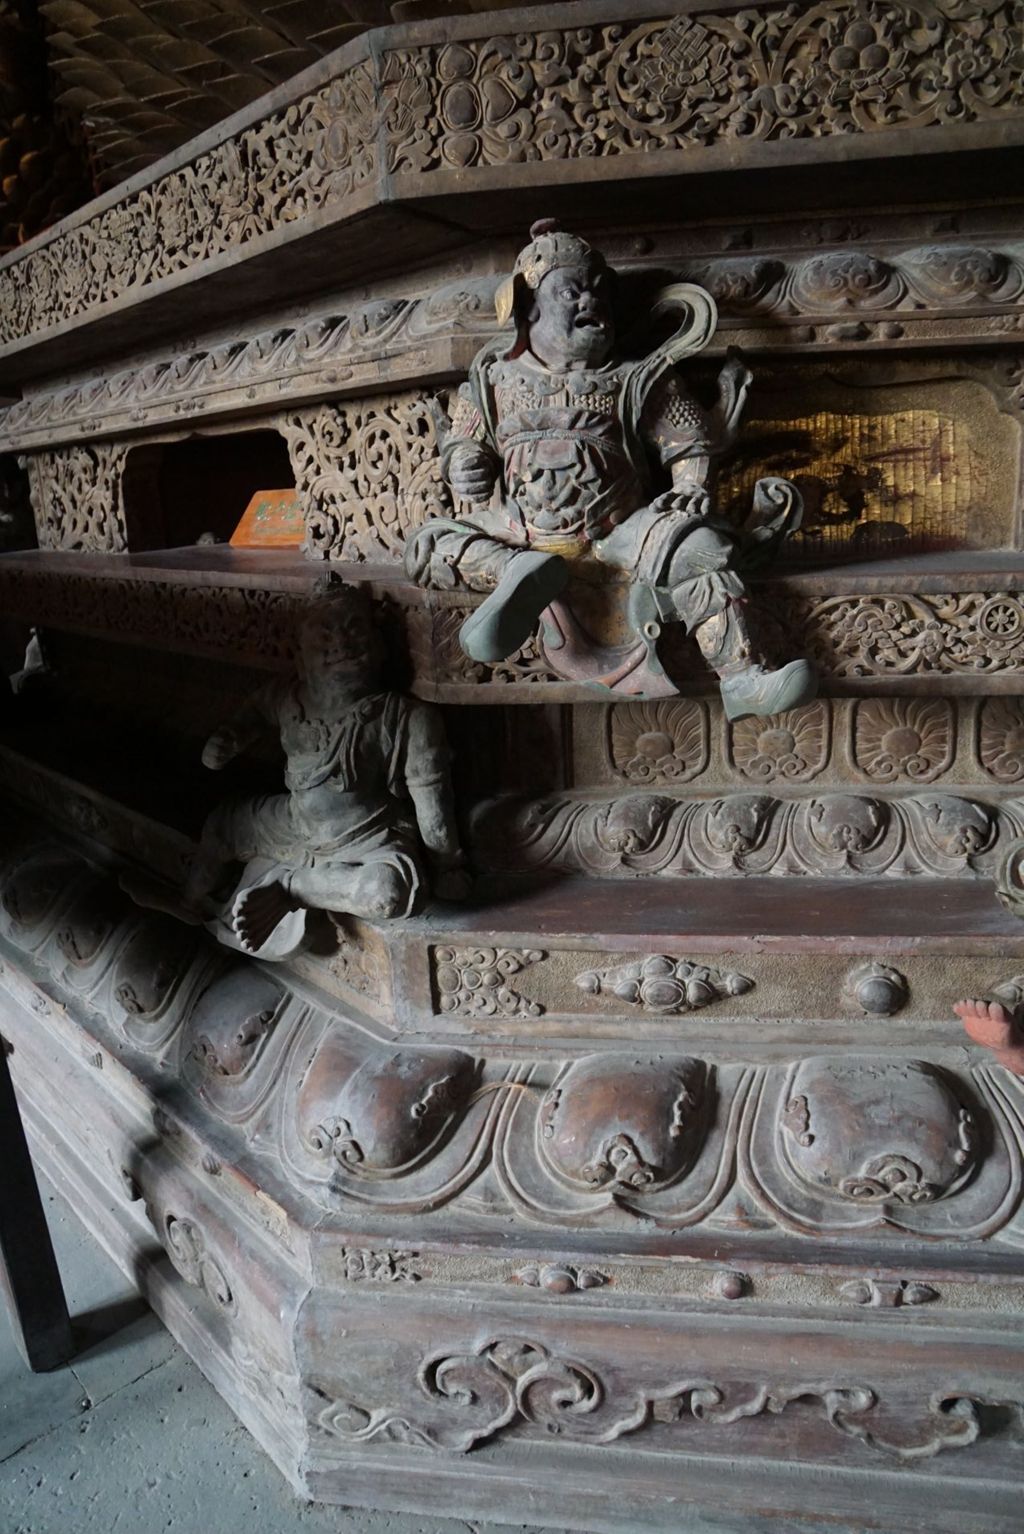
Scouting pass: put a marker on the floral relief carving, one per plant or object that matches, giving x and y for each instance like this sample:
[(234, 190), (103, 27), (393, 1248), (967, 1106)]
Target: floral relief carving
[(244, 620), (368, 473), (693, 81), (362, 1265), (353, 965), (923, 278), (560, 1278), (845, 280), (664, 741), (825, 1143), (77, 498), (382, 1117), (433, 637), (876, 988), (791, 747), (911, 738), (887, 1293), (885, 1134), (970, 634), (628, 1126), (473, 982), (1001, 739), (618, 88), (848, 823)]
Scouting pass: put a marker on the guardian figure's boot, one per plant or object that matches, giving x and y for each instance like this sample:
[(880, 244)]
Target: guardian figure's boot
[(520, 583), (748, 686), (507, 618)]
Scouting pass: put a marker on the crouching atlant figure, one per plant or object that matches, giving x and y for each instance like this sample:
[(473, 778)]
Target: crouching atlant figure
[(367, 824), (554, 444)]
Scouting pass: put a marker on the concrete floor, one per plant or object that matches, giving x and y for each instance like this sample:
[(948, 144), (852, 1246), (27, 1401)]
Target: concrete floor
[(130, 1439)]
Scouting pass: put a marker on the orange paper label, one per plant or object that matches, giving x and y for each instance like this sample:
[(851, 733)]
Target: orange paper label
[(272, 519)]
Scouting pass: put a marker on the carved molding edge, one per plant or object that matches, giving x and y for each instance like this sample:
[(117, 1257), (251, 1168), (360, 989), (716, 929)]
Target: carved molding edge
[(647, 1140), (828, 835), (331, 353), (248, 622), (964, 638)]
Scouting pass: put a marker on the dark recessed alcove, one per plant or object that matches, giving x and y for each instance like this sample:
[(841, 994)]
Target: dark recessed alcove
[(178, 492), (17, 525)]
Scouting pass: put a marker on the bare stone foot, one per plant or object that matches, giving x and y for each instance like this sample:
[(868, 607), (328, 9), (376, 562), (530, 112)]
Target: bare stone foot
[(991, 1024), (257, 913)]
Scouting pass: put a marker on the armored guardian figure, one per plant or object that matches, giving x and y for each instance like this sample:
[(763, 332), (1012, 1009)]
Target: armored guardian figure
[(555, 447)]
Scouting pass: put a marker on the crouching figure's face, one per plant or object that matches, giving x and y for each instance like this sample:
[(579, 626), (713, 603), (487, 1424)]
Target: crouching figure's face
[(337, 641)]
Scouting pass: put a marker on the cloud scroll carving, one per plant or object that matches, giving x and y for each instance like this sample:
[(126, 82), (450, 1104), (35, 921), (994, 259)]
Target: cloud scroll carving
[(468, 1396), (857, 1142)]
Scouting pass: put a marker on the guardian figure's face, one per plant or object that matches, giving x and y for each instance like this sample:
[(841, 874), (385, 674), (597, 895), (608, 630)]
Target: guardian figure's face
[(571, 323)]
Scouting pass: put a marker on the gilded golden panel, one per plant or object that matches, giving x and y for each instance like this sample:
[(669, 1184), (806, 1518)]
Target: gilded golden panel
[(897, 469)]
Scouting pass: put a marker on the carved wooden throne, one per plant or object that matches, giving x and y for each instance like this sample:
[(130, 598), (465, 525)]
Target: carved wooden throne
[(668, 1142)]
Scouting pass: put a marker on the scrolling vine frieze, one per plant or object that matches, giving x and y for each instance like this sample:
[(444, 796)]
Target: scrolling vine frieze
[(967, 634), (313, 152)]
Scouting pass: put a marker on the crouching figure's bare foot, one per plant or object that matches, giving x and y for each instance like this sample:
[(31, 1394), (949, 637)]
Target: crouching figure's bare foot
[(995, 1026), (257, 914)]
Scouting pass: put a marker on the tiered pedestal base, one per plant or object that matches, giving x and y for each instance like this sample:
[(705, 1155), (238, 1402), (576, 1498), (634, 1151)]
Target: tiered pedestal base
[(612, 1286)]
